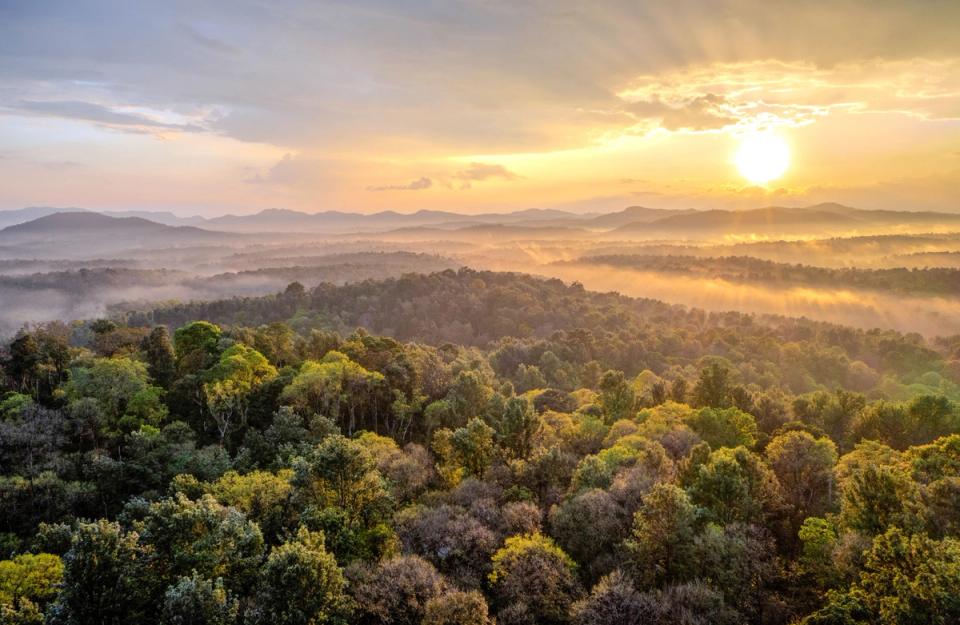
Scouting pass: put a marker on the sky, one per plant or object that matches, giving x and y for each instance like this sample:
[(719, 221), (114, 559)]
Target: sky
[(206, 107)]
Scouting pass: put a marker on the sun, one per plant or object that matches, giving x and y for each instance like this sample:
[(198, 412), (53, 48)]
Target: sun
[(762, 157)]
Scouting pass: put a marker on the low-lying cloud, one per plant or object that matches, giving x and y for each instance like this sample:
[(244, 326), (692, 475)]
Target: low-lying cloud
[(417, 185), (479, 172)]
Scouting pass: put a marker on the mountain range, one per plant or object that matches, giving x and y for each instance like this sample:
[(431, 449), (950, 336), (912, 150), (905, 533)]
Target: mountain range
[(40, 223)]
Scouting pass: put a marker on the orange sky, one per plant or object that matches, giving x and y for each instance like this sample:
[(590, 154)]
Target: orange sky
[(477, 105)]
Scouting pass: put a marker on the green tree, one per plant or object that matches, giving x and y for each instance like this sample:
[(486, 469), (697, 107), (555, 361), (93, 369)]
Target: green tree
[(941, 512), (819, 539), (262, 496), (678, 390), (912, 579), (876, 497), (906, 580), (196, 345), (713, 386), (299, 584), (201, 536), (661, 543), (340, 389), (724, 427), (474, 446), (112, 382), (804, 467), (160, 356), (197, 601), (739, 560), (616, 397), (518, 426), (834, 413), (341, 472), (23, 364), (469, 396), (28, 583), (276, 342), (341, 492), (229, 384), (121, 390), (936, 460), (735, 485), (105, 578)]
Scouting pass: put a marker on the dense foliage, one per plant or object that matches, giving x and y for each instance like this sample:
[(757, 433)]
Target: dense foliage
[(491, 446)]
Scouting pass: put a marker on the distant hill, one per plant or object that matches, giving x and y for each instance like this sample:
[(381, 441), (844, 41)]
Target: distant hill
[(161, 217), (285, 220), (21, 215), (891, 217), (493, 233), (15, 216), (84, 221), (629, 221), (632, 215), (817, 218), (69, 234), (771, 217)]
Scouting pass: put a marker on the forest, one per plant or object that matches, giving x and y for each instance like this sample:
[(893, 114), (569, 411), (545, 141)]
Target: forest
[(933, 280), (46, 290), (469, 447)]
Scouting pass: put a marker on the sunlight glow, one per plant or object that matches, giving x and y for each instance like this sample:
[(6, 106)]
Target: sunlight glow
[(762, 157)]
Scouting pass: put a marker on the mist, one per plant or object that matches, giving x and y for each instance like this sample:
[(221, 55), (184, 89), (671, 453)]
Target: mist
[(931, 316), (81, 266)]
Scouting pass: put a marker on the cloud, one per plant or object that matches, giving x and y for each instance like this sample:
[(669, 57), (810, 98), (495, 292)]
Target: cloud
[(485, 171), (702, 112), (300, 171), (479, 172), (210, 43), (724, 96), (487, 85), (90, 111), (354, 81), (417, 185)]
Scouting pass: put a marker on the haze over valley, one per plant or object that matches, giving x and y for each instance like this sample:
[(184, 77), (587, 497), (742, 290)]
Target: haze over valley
[(884, 269)]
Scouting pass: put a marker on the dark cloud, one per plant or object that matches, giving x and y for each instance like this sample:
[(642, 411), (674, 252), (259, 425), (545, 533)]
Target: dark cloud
[(417, 185)]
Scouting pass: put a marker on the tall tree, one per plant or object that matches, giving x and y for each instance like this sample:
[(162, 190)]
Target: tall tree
[(161, 359)]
